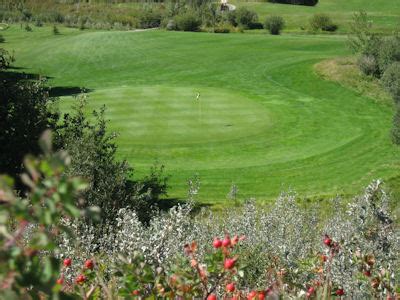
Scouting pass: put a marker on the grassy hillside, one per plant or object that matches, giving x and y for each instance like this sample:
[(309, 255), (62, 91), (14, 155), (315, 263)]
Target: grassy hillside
[(384, 13), (264, 120)]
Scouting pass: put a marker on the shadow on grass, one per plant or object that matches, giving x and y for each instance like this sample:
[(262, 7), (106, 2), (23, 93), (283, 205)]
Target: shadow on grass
[(168, 203), (60, 91), (57, 91), (17, 76)]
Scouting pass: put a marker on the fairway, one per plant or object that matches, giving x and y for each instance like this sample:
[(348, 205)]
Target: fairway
[(263, 119)]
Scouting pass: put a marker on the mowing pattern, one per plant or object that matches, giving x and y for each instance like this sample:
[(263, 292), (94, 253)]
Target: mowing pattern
[(263, 119)]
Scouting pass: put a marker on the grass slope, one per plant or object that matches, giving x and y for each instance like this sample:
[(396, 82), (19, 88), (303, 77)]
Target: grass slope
[(385, 14), (265, 121)]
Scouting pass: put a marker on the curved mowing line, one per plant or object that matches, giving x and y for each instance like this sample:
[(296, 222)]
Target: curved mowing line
[(318, 138)]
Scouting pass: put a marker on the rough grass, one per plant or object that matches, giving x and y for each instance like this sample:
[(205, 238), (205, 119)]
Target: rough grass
[(344, 70), (265, 120)]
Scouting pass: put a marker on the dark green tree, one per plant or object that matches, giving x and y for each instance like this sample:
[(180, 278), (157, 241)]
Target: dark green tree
[(25, 112)]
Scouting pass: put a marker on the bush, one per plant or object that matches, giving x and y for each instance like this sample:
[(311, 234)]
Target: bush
[(244, 17), (368, 65), (24, 114), (149, 18), (2, 39), (274, 24), (28, 28), (188, 22), (391, 81), (284, 250), (222, 28), (55, 30), (389, 52), (171, 25), (322, 22)]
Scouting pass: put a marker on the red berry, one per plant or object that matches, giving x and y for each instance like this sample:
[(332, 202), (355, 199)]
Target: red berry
[(324, 258), (311, 290), (80, 279), (60, 280), (327, 241), (367, 273), (67, 262), (235, 240), (217, 243), (251, 295), (339, 292), (229, 263), (136, 292), (230, 287), (261, 295), (226, 242), (212, 297), (89, 264)]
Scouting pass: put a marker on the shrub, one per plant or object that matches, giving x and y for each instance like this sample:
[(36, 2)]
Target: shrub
[(391, 81), (362, 40), (188, 21), (28, 28), (244, 17), (55, 30), (38, 22), (285, 250), (389, 52), (2, 39), (368, 65), (274, 24), (149, 18), (222, 28), (28, 265), (322, 22), (26, 111), (171, 25)]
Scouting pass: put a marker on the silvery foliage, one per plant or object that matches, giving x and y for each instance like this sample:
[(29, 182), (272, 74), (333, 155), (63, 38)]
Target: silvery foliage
[(280, 237), (367, 229)]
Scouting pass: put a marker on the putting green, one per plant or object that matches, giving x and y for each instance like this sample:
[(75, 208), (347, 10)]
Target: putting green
[(264, 120), (181, 115)]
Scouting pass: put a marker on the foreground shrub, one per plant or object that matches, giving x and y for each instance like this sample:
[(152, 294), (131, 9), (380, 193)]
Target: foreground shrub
[(30, 225), (285, 250), (322, 22), (274, 24), (188, 21)]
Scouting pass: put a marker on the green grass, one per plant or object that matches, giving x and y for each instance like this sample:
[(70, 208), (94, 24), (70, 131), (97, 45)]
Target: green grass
[(385, 14), (265, 120)]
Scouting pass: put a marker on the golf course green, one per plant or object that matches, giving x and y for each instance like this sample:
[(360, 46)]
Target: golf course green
[(244, 109)]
